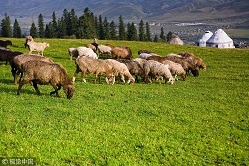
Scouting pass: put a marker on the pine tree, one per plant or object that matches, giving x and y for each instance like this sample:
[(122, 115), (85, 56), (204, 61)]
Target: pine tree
[(62, 32), (53, 30), (33, 31), (128, 32), (162, 36), (106, 28), (113, 31), (141, 31), (17, 33), (148, 37), (41, 30), (86, 26), (169, 36), (68, 24), (131, 32), (121, 29), (155, 39), (101, 34), (48, 31), (74, 22), (6, 30)]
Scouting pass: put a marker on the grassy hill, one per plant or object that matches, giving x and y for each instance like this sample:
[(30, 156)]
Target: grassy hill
[(200, 121)]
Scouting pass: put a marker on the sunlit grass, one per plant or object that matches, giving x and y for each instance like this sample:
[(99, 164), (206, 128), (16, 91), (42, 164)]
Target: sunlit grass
[(201, 121)]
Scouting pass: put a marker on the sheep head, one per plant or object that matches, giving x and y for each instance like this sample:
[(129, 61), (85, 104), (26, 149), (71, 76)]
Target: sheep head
[(110, 79), (69, 90)]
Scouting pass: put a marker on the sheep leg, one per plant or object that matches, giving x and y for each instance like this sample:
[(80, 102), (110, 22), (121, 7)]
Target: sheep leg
[(122, 78), (56, 90), (36, 88), (96, 77), (83, 77), (21, 84), (75, 74), (17, 73)]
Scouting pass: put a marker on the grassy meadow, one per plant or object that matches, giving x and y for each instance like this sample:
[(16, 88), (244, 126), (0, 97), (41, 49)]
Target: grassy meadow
[(201, 121)]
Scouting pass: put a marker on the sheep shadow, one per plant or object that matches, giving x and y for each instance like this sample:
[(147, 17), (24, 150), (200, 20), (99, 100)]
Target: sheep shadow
[(7, 81), (12, 88)]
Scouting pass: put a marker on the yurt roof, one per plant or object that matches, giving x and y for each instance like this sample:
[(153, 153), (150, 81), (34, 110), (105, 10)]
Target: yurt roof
[(205, 36), (176, 40), (219, 37)]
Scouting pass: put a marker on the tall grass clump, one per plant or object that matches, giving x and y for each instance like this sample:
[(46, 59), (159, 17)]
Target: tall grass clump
[(201, 121)]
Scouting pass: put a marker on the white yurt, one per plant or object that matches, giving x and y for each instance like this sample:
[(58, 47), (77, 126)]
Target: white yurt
[(202, 41), (220, 40)]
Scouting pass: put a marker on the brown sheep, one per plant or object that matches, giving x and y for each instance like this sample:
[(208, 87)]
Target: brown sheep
[(121, 52), (43, 73), (186, 64), (195, 60), (8, 56), (88, 65), (134, 67), (5, 43), (20, 59), (145, 51)]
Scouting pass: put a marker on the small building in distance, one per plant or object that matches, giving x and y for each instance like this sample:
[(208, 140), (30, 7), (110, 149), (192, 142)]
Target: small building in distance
[(220, 40), (176, 40), (202, 41)]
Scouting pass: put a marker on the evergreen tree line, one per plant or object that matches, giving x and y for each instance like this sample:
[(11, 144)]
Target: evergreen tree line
[(86, 26)]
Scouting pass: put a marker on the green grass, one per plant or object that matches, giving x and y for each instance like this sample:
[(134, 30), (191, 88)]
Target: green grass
[(200, 121)]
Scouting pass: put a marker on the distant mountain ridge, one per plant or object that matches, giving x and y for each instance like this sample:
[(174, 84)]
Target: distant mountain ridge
[(129, 9)]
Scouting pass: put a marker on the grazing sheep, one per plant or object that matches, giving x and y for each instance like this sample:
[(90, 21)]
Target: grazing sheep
[(195, 60), (145, 51), (43, 73), (84, 51), (21, 59), (175, 69), (93, 47), (89, 65), (121, 70), (134, 68), (103, 49), (187, 64), (5, 43), (39, 47), (144, 55), (8, 56), (157, 70), (121, 52), (73, 53), (28, 38)]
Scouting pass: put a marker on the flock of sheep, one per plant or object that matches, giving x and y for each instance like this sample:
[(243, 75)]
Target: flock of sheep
[(38, 69)]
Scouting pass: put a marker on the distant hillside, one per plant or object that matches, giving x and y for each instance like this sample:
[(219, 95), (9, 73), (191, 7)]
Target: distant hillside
[(129, 9)]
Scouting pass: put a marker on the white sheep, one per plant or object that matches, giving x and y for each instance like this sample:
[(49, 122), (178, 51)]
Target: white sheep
[(144, 55), (84, 51), (157, 70), (120, 69), (103, 49), (175, 69), (39, 47), (73, 53), (89, 65)]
